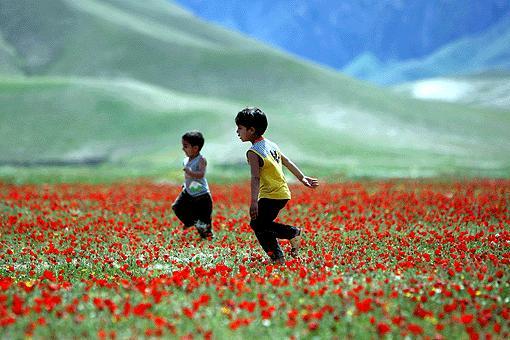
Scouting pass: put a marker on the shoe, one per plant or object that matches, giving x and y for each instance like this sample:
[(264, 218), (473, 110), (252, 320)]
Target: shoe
[(204, 229), (279, 261), (201, 226), (208, 235), (295, 244)]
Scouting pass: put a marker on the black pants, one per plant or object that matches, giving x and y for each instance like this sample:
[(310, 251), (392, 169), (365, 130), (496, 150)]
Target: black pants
[(267, 231), (190, 209)]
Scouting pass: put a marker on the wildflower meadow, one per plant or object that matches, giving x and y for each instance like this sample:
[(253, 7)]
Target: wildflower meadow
[(391, 259)]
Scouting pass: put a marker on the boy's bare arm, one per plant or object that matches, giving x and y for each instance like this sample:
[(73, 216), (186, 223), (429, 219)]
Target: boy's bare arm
[(307, 181), (253, 160), (201, 170)]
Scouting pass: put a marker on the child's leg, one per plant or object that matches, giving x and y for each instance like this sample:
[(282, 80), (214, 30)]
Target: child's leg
[(280, 230), (263, 227), (203, 215), (291, 233), (285, 231), (183, 209)]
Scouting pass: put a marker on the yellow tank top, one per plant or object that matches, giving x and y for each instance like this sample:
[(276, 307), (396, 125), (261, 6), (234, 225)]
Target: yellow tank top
[(272, 180)]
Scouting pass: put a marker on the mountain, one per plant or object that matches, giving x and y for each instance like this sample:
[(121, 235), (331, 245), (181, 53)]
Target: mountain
[(366, 66), (7, 59), (108, 87), (484, 52), (334, 33), (490, 90)]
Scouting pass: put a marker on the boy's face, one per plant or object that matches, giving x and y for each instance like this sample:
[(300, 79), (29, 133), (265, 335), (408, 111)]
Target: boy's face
[(189, 150), (245, 134)]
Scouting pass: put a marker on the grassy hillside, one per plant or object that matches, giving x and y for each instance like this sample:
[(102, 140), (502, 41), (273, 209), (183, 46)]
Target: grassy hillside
[(490, 90), (90, 117), (7, 59), (116, 83)]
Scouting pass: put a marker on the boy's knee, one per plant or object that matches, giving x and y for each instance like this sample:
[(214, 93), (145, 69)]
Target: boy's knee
[(175, 207), (253, 225)]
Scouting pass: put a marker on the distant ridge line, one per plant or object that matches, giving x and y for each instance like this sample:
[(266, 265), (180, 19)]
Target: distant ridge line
[(92, 161)]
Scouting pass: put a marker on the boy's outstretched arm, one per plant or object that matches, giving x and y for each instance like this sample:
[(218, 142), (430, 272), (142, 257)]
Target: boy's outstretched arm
[(253, 160), (307, 181)]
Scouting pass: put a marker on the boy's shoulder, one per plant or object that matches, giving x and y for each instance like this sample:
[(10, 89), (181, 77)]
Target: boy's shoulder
[(265, 147), (265, 143), (202, 159)]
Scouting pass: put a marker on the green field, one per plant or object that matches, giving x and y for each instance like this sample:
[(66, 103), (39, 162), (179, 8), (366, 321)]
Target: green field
[(390, 259)]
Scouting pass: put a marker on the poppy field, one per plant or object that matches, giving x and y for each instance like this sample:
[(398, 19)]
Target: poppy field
[(423, 259)]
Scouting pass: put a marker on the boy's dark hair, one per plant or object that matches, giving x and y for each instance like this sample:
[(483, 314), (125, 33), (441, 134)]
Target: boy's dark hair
[(195, 138), (252, 117)]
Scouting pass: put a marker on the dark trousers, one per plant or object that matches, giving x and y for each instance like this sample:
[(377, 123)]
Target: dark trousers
[(267, 230), (190, 209)]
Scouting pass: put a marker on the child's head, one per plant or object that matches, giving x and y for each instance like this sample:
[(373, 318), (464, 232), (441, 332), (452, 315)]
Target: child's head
[(192, 143), (253, 120)]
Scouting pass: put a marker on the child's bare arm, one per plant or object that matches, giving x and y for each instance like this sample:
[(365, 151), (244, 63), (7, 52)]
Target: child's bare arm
[(307, 181), (202, 165), (253, 160)]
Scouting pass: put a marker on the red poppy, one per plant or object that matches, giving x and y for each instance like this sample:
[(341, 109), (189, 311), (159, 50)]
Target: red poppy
[(383, 328), (364, 305), (415, 329)]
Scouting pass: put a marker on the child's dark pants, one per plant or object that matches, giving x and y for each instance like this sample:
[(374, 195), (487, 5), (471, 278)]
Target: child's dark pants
[(190, 209), (267, 231)]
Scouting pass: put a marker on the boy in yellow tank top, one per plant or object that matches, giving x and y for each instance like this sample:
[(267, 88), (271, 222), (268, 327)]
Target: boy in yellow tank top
[(269, 189)]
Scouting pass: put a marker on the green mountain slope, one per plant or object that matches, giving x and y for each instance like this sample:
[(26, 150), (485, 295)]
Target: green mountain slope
[(90, 118), (490, 90), (7, 59), (119, 81)]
